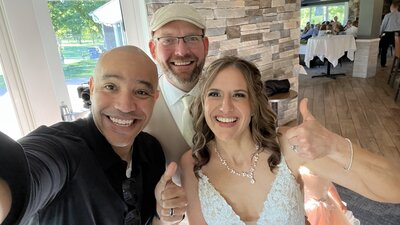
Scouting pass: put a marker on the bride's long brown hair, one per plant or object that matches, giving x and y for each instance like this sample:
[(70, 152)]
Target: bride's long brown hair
[(262, 124)]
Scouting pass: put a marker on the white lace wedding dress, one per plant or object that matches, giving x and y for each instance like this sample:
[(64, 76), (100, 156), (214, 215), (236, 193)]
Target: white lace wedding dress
[(283, 206)]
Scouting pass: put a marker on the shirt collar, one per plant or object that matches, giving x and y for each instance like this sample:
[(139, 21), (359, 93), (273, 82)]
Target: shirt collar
[(174, 94)]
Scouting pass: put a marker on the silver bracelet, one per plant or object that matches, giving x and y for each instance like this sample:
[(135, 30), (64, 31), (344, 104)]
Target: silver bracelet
[(351, 155)]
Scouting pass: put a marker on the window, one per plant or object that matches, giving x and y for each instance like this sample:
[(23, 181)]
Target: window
[(319, 13), (8, 120), (31, 63), (84, 29)]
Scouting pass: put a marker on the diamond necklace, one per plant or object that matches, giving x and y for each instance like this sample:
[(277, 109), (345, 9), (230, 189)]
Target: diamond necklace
[(249, 174)]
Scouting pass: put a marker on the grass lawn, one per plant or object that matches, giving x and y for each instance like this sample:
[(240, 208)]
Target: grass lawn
[(76, 51), (81, 69)]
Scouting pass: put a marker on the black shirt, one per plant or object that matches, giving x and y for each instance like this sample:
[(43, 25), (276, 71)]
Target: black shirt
[(75, 177)]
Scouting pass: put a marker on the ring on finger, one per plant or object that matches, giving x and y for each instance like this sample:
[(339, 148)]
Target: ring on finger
[(171, 212)]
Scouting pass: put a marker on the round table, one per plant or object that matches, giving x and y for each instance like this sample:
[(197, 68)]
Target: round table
[(281, 98)]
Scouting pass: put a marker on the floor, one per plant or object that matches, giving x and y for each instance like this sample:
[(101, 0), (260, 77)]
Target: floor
[(365, 111), (361, 109)]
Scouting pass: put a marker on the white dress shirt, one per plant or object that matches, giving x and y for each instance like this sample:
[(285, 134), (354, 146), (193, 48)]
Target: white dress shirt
[(173, 98), (352, 31)]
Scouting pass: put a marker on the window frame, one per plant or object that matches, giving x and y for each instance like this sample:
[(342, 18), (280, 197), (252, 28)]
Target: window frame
[(29, 55)]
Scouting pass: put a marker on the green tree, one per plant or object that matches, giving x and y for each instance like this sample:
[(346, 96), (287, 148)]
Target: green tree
[(337, 10), (71, 19), (320, 13), (304, 16)]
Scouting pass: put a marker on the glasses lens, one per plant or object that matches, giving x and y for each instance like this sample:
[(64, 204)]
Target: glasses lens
[(168, 41), (129, 191), (133, 217), (192, 39)]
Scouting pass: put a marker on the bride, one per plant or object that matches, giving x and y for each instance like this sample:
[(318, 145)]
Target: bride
[(242, 171)]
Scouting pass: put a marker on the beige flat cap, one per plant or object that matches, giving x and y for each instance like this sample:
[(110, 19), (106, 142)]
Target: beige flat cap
[(174, 12)]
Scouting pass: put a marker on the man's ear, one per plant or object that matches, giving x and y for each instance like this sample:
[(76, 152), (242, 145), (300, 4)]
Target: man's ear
[(91, 85), (206, 45), (152, 47)]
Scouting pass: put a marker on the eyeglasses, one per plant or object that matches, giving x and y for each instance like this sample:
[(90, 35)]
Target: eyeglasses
[(129, 192), (190, 40)]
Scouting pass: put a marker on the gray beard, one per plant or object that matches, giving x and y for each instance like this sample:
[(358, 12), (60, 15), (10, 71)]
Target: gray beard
[(192, 80)]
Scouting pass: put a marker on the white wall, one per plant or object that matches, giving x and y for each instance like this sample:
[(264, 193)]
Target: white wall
[(136, 25)]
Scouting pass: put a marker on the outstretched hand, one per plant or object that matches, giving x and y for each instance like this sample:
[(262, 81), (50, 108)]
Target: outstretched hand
[(310, 138), (171, 198)]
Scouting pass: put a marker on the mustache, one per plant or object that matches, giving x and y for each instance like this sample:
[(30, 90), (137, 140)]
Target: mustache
[(183, 58)]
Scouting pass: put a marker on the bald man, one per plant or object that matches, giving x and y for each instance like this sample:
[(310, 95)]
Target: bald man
[(99, 170)]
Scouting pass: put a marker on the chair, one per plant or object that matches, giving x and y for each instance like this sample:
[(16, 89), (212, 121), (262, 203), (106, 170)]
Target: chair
[(396, 60)]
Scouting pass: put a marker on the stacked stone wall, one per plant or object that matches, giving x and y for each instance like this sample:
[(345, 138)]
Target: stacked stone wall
[(265, 32)]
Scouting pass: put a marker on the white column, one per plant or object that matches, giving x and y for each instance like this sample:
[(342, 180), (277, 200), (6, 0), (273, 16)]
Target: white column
[(135, 19)]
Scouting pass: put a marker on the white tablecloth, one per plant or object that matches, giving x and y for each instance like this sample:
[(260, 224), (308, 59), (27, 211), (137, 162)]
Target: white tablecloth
[(331, 47)]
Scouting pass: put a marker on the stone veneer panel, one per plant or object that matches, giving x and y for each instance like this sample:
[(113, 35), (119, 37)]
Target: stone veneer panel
[(263, 31)]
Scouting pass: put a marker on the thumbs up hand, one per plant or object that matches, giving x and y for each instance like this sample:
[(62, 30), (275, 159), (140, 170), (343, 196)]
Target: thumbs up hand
[(171, 198), (310, 139)]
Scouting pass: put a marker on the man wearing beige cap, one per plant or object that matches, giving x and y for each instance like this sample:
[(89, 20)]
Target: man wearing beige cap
[(179, 46)]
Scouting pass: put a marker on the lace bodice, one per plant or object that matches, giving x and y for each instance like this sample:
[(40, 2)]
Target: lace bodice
[(283, 206)]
